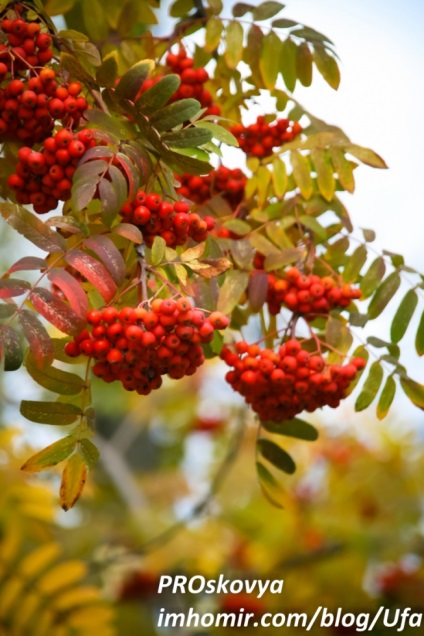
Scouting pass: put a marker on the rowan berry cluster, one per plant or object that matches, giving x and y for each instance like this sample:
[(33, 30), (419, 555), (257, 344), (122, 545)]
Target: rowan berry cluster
[(137, 346), (25, 46), (43, 178), (172, 221), (307, 293), (280, 385), (192, 82), (260, 138), (29, 107), (226, 181)]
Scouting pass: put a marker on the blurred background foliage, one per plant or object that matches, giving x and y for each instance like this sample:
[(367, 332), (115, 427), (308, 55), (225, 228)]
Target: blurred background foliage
[(175, 493)]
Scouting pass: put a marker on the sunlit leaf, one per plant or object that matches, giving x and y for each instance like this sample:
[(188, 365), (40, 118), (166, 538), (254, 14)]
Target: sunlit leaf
[(327, 66), (366, 155), (51, 455), (304, 64), (384, 294), (302, 173), (233, 44), (386, 398), (269, 62), (57, 413), (371, 387), (414, 391), (403, 315), (93, 271), (74, 477), (266, 10), (109, 254), (158, 250), (71, 289), (89, 452), (343, 167), (354, 264)]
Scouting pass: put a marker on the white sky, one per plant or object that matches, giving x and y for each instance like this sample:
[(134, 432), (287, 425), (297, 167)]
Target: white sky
[(378, 104)]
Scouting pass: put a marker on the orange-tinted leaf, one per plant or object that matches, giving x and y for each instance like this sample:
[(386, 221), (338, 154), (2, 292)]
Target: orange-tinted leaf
[(94, 271), (40, 343), (73, 480), (51, 455), (71, 289), (56, 311), (109, 254)]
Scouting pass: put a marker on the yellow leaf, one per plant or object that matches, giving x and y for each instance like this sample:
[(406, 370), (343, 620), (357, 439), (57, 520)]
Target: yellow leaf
[(83, 595), (73, 479), (38, 560), (91, 618), (61, 576)]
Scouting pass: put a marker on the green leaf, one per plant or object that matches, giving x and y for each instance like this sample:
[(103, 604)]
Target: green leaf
[(158, 95), (241, 8), (414, 391), (95, 21), (269, 62), (233, 44), (403, 316), (53, 379), (89, 452), (7, 311), (288, 62), (131, 81), (276, 456), (294, 427), (267, 10), (158, 250), (304, 60), (71, 64), (302, 173), (32, 228), (174, 114), (383, 295), (187, 137), (283, 23), (51, 455), (373, 277), (107, 72), (234, 286), (360, 352), (218, 132), (419, 338), (58, 413), (118, 126), (324, 170), (343, 167), (180, 8), (73, 480), (354, 264), (327, 66), (252, 53), (369, 235), (386, 398), (10, 349), (370, 387), (314, 225), (269, 486), (279, 177), (366, 155), (59, 7), (213, 34)]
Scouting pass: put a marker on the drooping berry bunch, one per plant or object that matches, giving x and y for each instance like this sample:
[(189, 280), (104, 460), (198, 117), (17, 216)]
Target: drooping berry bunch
[(307, 293), (43, 178), (25, 46), (172, 221), (137, 346), (226, 181), (260, 138), (29, 107), (280, 385)]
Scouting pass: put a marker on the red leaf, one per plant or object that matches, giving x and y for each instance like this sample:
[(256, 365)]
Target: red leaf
[(13, 287), (93, 271), (28, 263), (56, 311), (130, 172), (257, 290), (71, 288), (109, 254), (40, 343), (130, 232)]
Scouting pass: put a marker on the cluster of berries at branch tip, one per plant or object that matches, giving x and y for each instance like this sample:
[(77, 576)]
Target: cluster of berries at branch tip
[(192, 81), (137, 346), (172, 221), (29, 107), (306, 294), (259, 139), (24, 46), (43, 178), (226, 181), (280, 385)]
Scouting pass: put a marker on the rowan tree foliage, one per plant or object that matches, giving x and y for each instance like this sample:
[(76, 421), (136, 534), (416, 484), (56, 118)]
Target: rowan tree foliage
[(158, 254)]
